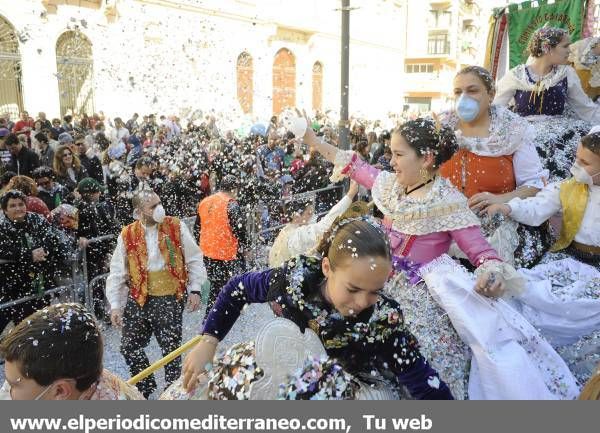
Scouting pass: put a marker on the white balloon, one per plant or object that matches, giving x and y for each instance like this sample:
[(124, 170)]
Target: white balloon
[(294, 123)]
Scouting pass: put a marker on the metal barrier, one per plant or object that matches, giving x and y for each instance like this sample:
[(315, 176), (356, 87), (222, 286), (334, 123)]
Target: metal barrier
[(256, 232), (253, 228), (89, 287)]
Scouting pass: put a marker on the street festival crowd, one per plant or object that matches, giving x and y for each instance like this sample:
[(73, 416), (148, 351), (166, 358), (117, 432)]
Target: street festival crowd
[(461, 261)]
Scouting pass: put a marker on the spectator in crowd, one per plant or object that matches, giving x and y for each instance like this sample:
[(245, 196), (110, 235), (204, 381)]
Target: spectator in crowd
[(119, 133), (271, 155), (67, 168), (44, 150), (24, 125), (67, 124), (9, 123), (88, 160), (362, 149), (45, 122), (220, 229), (37, 127), (23, 160), (28, 187), (31, 252), (51, 192), (5, 155), (5, 180), (56, 129), (57, 354), (384, 161), (65, 139), (65, 221), (96, 218), (375, 147), (132, 124)]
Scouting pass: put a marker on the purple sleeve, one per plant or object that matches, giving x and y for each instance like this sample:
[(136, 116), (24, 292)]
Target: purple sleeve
[(423, 382), (248, 288), (362, 172), (474, 245)]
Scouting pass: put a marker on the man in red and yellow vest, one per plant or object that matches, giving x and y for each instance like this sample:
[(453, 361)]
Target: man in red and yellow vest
[(155, 267), (222, 237)]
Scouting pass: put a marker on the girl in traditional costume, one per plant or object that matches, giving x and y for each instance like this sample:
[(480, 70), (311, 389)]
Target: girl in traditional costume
[(562, 299), (548, 93), (339, 297), (424, 213), (496, 161), (300, 236)]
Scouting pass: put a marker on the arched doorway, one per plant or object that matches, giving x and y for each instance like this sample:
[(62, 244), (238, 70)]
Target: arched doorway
[(245, 82), (284, 80), (74, 65), (317, 86), (11, 89)]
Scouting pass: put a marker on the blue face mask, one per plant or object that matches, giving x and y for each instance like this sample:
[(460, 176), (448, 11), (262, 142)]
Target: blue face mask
[(467, 108)]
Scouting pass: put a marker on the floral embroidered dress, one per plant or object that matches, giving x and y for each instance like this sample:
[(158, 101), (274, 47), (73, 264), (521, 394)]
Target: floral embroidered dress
[(375, 345), (500, 163), (556, 106), (421, 231)]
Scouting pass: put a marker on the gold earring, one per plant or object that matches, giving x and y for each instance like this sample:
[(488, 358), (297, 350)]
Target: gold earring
[(424, 174)]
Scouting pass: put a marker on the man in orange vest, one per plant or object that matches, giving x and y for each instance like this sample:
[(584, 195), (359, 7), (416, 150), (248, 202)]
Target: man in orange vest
[(220, 227), (155, 267)]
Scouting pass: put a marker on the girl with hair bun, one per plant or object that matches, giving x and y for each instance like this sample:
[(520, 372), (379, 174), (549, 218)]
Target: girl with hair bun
[(548, 93), (447, 308)]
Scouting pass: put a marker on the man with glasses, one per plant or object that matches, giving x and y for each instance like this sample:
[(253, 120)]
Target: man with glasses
[(88, 160)]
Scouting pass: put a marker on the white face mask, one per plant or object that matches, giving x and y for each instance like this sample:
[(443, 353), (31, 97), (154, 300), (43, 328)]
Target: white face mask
[(581, 175), (6, 388), (158, 214)]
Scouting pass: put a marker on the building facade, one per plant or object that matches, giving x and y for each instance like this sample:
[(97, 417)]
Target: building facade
[(441, 36), (241, 57)]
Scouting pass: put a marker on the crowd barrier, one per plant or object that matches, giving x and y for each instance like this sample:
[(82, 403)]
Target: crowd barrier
[(81, 290)]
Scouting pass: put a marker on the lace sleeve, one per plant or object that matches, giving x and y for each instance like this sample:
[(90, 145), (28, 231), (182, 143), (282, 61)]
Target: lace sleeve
[(343, 159)]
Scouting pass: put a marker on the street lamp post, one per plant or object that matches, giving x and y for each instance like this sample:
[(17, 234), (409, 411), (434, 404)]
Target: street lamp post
[(345, 84)]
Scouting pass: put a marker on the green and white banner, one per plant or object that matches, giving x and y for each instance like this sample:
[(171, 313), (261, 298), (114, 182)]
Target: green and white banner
[(525, 18)]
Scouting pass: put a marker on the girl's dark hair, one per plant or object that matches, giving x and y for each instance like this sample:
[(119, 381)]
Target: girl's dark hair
[(424, 136), (481, 73), (545, 38), (592, 142), (352, 236), (61, 341)]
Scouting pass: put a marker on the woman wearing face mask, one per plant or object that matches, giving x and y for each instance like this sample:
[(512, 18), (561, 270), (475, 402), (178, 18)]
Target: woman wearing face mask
[(496, 161), (541, 90), (424, 213), (562, 296), (339, 296)]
